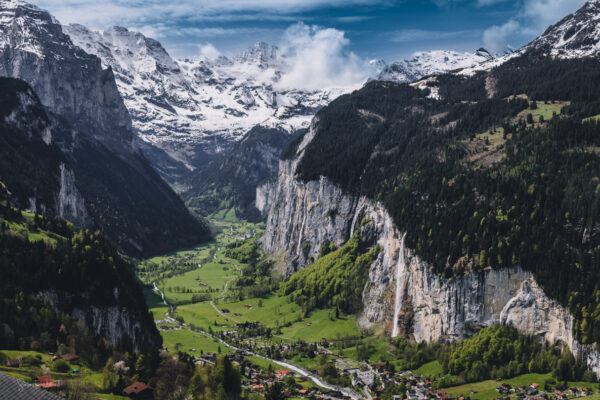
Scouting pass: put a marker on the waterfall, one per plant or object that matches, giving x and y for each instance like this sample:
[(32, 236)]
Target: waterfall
[(400, 278), (355, 218), (302, 228)]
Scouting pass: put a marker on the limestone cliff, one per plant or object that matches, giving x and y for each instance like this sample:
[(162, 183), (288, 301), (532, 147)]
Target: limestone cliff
[(302, 216)]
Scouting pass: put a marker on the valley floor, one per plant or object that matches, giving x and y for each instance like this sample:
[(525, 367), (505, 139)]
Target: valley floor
[(198, 310)]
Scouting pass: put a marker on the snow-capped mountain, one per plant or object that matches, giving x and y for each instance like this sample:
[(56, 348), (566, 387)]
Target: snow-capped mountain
[(432, 63), (575, 36), (195, 109)]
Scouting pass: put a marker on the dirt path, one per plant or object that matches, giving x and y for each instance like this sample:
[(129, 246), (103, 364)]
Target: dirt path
[(212, 303)]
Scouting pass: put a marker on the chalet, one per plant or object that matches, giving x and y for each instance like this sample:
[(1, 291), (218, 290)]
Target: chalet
[(283, 373), (46, 381), (14, 363), (71, 358), (138, 390)]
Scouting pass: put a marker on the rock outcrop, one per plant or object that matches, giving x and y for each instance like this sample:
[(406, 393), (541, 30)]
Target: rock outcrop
[(304, 215), (110, 321)]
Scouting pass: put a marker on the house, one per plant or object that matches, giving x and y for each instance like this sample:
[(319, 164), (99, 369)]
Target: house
[(138, 390), (14, 363), (46, 381), (283, 373), (71, 358), (442, 395)]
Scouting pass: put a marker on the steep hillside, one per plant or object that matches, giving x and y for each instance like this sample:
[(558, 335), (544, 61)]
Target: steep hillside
[(26, 146), (51, 272), (230, 181), (103, 180)]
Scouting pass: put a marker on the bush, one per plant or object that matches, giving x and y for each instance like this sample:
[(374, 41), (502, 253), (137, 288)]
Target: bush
[(61, 365)]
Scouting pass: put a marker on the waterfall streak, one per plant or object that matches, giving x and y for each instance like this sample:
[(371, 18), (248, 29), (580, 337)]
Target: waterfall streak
[(400, 280)]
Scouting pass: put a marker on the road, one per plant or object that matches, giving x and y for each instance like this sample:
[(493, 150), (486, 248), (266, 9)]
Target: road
[(298, 370)]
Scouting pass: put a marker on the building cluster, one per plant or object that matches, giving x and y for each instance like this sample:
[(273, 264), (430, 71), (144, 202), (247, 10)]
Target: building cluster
[(534, 392)]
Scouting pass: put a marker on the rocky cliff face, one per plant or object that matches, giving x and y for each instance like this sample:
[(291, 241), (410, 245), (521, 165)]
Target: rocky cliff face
[(34, 48), (110, 322), (402, 287)]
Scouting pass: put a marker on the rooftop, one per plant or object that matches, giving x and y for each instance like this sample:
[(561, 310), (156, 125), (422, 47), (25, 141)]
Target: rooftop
[(14, 389)]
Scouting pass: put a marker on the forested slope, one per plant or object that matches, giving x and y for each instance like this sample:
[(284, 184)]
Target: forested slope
[(502, 170)]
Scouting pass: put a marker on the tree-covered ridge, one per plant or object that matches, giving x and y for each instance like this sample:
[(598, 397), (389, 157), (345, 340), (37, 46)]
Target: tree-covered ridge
[(335, 280), (45, 258), (530, 198), (502, 352)]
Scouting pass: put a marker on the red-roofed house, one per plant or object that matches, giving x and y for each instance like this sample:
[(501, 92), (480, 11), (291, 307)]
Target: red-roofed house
[(283, 372), (138, 390), (46, 381)]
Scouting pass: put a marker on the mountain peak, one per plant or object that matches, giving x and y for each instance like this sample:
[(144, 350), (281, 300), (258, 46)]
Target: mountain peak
[(576, 35), (262, 54), (434, 62)]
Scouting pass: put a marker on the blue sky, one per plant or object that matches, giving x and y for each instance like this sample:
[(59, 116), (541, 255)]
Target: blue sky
[(386, 29)]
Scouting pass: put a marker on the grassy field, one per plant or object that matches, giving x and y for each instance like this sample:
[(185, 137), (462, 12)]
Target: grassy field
[(203, 315), (487, 389), (322, 327), (155, 304), (545, 110), (430, 369), (262, 363), (275, 312), (91, 379), (377, 349), (215, 275), (191, 340)]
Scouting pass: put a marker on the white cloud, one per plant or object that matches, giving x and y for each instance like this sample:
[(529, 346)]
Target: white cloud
[(100, 14), (531, 19), (209, 51), (496, 38), (319, 58)]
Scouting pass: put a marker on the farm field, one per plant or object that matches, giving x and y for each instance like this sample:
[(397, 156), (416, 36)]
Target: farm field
[(486, 390)]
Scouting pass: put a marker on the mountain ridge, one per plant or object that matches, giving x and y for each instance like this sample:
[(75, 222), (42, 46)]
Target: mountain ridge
[(104, 181)]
